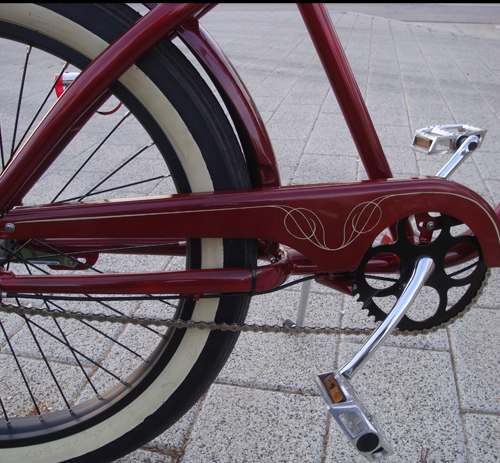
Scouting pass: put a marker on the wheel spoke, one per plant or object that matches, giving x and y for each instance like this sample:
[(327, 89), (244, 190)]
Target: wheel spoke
[(116, 170), (121, 187), (42, 353), (19, 100), (1, 149), (103, 304), (87, 324), (20, 369), (89, 381), (49, 300), (86, 357), (113, 130), (49, 93), (4, 411), (21, 259)]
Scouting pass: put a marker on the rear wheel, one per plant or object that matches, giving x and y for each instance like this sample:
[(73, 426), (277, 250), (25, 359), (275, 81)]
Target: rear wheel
[(84, 391)]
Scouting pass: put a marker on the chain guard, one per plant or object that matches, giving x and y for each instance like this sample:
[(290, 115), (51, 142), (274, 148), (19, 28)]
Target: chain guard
[(468, 279)]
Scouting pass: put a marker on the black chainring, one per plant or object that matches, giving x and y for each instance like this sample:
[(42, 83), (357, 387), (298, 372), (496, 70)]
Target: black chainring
[(466, 279)]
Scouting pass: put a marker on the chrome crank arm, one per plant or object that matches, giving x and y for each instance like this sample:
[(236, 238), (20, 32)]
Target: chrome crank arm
[(423, 270), (342, 401), (462, 153)]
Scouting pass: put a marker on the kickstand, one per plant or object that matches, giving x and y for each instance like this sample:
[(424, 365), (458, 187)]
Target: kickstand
[(301, 312)]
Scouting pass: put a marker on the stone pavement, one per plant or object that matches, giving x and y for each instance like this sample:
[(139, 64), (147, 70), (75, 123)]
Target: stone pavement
[(437, 397)]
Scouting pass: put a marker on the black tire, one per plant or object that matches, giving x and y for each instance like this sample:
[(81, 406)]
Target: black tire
[(175, 107)]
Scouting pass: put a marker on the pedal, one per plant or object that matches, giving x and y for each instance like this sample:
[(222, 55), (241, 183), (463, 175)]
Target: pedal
[(445, 139), (353, 417)]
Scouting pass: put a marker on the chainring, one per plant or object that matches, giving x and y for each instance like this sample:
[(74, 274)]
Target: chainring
[(449, 290)]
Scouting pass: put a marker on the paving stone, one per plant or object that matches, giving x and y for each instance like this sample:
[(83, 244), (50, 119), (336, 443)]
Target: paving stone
[(145, 457), (285, 361), (239, 424), (324, 169), (475, 349), (483, 437)]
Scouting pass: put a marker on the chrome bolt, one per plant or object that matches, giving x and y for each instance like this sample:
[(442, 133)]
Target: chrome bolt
[(10, 228), (430, 225)]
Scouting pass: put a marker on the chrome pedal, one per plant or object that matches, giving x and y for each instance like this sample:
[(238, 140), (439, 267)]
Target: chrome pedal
[(445, 139), (353, 417)]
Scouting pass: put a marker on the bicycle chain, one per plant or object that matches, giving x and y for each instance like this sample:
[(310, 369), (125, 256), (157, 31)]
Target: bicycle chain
[(243, 327)]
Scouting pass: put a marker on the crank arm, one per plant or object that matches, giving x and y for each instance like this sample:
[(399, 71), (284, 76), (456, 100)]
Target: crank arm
[(463, 152), (423, 270), (342, 401)]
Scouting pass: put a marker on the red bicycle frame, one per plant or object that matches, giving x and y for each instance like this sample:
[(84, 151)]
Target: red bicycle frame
[(328, 228)]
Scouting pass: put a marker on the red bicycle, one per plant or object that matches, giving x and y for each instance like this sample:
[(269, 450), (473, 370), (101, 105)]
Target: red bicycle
[(171, 248)]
